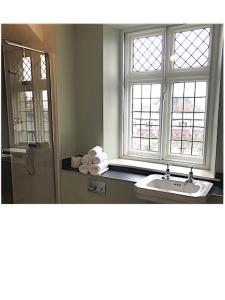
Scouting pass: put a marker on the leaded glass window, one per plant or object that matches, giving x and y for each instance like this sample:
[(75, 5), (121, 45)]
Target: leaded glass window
[(187, 134), (166, 93), (147, 53), (146, 117), (191, 48)]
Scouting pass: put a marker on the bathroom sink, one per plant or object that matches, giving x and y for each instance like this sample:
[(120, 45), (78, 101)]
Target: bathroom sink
[(174, 190)]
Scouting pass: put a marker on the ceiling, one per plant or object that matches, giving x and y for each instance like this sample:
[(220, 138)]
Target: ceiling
[(125, 26)]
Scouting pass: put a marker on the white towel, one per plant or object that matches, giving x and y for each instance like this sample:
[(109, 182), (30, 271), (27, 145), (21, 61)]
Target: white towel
[(99, 158), (85, 159), (98, 169), (75, 161), (83, 169), (95, 151), (90, 160)]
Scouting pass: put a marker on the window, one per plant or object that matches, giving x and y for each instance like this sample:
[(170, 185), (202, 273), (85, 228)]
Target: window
[(168, 95)]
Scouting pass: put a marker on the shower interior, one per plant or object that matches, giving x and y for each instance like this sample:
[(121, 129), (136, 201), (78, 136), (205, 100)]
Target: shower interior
[(27, 144)]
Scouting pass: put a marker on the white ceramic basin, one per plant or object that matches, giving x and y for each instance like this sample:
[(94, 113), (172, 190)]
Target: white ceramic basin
[(174, 190)]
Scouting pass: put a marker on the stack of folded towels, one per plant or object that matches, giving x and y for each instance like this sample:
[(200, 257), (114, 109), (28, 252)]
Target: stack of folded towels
[(94, 162)]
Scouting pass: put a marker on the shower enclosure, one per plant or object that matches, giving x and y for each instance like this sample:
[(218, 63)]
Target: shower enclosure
[(27, 143)]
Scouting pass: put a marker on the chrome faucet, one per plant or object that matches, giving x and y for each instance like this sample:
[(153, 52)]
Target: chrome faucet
[(167, 174), (190, 176)]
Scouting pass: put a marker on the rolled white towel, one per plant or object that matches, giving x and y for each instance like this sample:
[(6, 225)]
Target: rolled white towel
[(83, 169), (85, 159), (99, 158), (90, 160), (95, 151), (75, 161), (98, 169)]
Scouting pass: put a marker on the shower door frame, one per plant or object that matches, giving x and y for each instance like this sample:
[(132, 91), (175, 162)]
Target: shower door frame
[(52, 113)]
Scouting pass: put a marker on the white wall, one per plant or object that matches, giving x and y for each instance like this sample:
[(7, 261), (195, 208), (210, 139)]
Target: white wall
[(111, 90), (96, 82), (65, 89), (88, 82)]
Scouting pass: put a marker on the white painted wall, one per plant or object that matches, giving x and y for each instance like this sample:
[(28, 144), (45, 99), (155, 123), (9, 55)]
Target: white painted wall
[(65, 89), (88, 82), (111, 90)]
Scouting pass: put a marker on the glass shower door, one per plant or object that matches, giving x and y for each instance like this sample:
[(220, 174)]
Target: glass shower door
[(29, 124)]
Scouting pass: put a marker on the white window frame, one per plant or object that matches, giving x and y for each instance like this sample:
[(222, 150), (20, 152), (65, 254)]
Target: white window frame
[(210, 73)]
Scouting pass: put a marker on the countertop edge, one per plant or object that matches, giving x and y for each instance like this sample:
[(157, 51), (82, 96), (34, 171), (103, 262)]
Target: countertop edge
[(133, 175)]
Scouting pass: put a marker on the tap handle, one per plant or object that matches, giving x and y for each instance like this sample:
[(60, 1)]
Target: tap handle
[(191, 173)]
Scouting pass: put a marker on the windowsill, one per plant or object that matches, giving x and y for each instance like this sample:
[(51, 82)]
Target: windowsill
[(175, 170)]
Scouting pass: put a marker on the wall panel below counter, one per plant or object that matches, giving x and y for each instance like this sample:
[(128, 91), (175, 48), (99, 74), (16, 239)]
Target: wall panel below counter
[(74, 187)]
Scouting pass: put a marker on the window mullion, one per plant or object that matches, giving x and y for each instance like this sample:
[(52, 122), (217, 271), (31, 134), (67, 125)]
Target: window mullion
[(165, 100)]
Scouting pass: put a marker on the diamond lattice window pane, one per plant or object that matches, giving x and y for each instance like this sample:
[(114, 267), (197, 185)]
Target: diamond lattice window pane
[(191, 48), (43, 67), (147, 54), (24, 69)]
